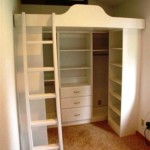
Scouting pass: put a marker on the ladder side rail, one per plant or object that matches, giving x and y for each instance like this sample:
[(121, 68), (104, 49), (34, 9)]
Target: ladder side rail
[(55, 59), (26, 80)]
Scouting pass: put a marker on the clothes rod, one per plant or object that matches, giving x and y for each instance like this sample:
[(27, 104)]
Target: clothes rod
[(99, 54)]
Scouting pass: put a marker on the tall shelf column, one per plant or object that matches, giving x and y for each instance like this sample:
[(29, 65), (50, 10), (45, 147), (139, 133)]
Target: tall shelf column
[(123, 80)]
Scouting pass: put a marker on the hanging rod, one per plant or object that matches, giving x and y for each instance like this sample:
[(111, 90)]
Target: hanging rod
[(100, 52)]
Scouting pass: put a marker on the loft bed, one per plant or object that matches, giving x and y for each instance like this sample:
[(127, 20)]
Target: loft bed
[(124, 58)]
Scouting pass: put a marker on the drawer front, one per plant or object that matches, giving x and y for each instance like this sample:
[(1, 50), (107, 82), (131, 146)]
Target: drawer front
[(76, 102), (75, 91), (76, 114)]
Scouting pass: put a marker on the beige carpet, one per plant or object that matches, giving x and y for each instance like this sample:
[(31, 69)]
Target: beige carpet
[(96, 136)]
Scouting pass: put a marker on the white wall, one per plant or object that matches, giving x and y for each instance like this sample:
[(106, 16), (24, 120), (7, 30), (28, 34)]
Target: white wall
[(9, 136), (140, 9), (47, 9)]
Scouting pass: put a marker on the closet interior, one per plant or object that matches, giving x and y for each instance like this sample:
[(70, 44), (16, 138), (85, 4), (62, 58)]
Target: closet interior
[(83, 75)]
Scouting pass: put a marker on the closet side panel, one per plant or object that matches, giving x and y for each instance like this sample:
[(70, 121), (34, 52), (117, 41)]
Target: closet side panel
[(24, 137), (130, 81)]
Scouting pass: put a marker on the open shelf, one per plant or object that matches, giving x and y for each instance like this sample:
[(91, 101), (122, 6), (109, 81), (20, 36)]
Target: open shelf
[(75, 76), (116, 94), (115, 79), (74, 68), (74, 58), (74, 50), (115, 56), (74, 84), (116, 65), (77, 40), (48, 147), (114, 117)]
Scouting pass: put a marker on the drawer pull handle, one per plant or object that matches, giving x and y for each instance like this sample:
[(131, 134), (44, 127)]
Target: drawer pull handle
[(77, 115), (76, 92), (76, 102)]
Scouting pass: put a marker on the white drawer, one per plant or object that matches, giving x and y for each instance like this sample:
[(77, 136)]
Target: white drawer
[(75, 91), (76, 102), (76, 114)]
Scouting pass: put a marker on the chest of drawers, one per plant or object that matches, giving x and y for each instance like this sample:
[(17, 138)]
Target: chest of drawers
[(76, 103)]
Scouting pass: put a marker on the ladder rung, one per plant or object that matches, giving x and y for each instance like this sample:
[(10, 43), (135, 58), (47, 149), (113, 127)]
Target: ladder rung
[(44, 122), (40, 69), (40, 42), (42, 96), (47, 147)]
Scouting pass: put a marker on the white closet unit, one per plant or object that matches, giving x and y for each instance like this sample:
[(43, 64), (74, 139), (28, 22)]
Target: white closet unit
[(77, 34)]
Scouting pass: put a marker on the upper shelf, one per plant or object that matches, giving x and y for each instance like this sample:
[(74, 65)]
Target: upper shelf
[(90, 16)]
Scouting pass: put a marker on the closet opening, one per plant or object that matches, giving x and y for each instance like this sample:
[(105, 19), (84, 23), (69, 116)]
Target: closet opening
[(100, 75)]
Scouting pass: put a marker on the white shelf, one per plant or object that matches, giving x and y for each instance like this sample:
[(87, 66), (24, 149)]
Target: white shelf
[(47, 147), (41, 96), (114, 125), (115, 108), (116, 64), (116, 95), (116, 80), (51, 80), (74, 84), (114, 117), (40, 42), (38, 69), (74, 68), (118, 49), (44, 122), (75, 50), (100, 113)]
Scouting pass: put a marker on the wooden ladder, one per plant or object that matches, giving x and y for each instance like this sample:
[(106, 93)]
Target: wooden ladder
[(30, 97)]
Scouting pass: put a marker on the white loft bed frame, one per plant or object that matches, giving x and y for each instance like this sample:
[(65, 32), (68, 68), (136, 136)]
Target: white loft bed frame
[(84, 18), (80, 17)]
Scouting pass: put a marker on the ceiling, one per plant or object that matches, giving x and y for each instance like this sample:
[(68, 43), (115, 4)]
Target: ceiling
[(112, 2)]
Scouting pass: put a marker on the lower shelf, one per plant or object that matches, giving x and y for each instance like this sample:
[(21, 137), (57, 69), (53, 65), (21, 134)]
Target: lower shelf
[(114, 125), (100, 113), (47, 147), (114, 121)]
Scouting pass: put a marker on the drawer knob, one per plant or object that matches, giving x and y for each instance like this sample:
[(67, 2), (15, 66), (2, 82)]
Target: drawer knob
[(76, 102), (77, 115), (76, 92)]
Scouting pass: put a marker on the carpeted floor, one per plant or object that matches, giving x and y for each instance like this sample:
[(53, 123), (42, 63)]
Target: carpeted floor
[(96, 136)]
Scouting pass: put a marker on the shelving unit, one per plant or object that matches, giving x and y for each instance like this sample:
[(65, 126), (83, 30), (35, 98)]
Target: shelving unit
[(74, 58), (115, 78), (75, 71), (121, 81)]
